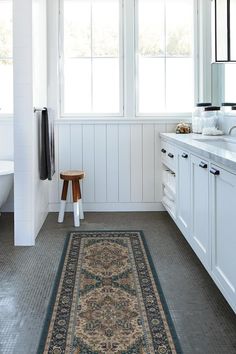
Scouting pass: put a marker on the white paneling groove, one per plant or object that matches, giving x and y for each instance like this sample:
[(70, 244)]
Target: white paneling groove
[(89, 163), (100, 164), (149, 163), (112, 164), (121, 162), (124, 164), (136, 163)]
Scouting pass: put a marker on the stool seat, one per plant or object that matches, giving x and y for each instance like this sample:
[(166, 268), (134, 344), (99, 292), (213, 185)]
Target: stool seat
[(72, 175)]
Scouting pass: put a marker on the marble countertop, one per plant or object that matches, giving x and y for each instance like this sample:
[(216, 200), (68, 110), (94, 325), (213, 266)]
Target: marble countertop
[(196, 144)]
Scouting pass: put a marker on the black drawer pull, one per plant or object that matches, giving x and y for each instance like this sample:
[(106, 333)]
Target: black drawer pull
[(203, 165), (171, 155), (214, 172), (163, 150), (185, 156)]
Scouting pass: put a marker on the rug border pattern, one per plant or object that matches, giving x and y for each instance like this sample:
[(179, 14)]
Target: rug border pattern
[(160, 295)]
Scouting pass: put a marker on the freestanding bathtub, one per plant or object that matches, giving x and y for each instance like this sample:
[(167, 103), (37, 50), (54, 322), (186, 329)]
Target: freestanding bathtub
[(6, 180)]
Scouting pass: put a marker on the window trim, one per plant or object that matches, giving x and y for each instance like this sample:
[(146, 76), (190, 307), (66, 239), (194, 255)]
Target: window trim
[(195, 57), (202, 67), (8, 115), (61, 67)]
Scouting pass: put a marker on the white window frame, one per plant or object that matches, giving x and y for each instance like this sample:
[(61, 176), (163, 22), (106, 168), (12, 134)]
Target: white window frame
[(195, 65), (61, 66), (7, 116), (202, 55)]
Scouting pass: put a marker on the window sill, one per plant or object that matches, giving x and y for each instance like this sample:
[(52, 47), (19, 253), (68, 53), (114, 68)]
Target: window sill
[(175, 118)]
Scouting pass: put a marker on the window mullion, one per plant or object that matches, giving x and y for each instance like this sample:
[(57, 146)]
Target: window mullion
[(91, 31), (129, 58), (165, 57)]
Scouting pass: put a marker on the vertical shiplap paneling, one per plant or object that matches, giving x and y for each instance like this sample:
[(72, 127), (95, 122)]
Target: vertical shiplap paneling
[(136, 163), (100, 164), (88, 163), (124, 163), (170, 128), (112, 164), (53, 190), (159, 128), (148, 163), (76, 148), (64, 153)]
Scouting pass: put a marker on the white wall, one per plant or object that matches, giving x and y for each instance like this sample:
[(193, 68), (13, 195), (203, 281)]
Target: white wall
[(28, 197), (121, 161), (39, 100)]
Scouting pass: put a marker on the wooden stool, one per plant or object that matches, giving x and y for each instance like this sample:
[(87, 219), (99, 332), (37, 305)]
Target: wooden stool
[(74, 177)]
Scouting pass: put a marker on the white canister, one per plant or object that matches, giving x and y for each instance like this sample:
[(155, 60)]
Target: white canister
[(211, 117), (197, 119)]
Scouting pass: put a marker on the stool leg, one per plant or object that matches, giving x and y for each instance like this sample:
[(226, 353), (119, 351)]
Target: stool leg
[(81, 212), (63, 202), (75, 203)]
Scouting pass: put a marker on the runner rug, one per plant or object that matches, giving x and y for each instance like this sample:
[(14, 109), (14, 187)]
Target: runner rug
[(108, 299)]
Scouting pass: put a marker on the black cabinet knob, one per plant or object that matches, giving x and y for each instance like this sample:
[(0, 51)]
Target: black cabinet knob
[(163, 151), (185, 156), (203, 165), (214, 171), (171, 155)]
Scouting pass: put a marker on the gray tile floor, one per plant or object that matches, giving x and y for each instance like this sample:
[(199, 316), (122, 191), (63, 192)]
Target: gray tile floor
[(203, 320)]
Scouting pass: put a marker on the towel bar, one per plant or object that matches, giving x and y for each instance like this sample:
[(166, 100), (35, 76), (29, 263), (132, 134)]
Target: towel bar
[(39, 109)]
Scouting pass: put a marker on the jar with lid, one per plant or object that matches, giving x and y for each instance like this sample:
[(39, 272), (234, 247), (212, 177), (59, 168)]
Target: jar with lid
[(197, 119), (226, 108), (211, 117), (229, 120)]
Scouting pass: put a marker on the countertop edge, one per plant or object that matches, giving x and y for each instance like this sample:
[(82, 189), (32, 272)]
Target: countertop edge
[(222, 157)]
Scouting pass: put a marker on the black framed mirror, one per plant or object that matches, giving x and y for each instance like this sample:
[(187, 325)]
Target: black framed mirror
[(225, 30)]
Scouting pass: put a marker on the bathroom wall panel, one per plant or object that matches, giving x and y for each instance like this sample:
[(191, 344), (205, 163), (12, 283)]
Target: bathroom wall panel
[(89, 163), (30, 90), (100, 164), (112, 166), (149, 163), (124, 163), (136, 163), (121, 161), (64, 149)]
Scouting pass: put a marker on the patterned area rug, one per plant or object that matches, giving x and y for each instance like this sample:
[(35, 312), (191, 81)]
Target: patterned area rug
[(108, 299)]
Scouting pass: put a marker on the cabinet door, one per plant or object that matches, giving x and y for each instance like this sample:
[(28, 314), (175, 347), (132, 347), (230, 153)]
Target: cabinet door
[(223, 230), (183, 192), (200, 239)]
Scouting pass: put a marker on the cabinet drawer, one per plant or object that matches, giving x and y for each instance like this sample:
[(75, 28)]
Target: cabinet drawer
[(168, 155)]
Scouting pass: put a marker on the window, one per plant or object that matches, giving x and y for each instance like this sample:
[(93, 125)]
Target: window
[(165, 56), (92, 57), (155, 75), (6, 63)]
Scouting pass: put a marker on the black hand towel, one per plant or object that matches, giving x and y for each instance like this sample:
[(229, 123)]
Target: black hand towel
[(47, 158)]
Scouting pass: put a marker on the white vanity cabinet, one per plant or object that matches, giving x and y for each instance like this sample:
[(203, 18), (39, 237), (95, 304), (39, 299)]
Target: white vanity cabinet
[(205, 211), (183, 192), (200, 238), (223, 230)]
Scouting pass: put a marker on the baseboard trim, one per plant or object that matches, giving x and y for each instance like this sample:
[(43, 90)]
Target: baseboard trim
[(111, 207)]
